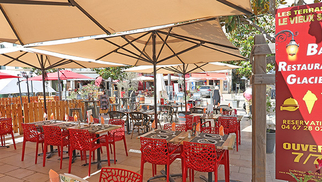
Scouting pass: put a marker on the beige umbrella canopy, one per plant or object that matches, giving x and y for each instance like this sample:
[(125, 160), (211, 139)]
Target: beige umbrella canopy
[(30, 21), (34, 58), (201, 41), (182, 44)]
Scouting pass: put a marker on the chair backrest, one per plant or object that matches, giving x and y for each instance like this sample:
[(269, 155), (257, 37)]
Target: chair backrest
[(70, 118), (179, 127), (200, 157), (196, 110), (79, 139), (154, 151), (118, 175), (5, 126), (53, 135), (189, 122), (117, 122), (30, 132), (230, 124), (116, 114), (138, 116)]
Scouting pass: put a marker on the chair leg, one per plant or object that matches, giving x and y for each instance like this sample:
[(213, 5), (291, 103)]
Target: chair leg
[(216, 173), (70, 160), (89, 164), (168, 172), (237, 139), (111, 148), (23, 150), (44, 156), (142, 167), (37, 153), (132, 132), (125, 146), (227, 166), (114, 152), (108, 156), (13, 140), (61, 156)]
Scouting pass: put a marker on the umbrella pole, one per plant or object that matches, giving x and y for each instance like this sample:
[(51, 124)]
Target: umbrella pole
[(59, 90), (155, 80), (184, 88), (20, 92), (43, 83)]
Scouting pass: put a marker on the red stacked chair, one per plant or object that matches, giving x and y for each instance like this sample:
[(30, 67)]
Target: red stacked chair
[(6, 128), (156, 152), (81, 140), (56, 137), (179, 127), (119, 175), (230, 125), (115, 135), (31, 134), (189, 122), (203, 158)]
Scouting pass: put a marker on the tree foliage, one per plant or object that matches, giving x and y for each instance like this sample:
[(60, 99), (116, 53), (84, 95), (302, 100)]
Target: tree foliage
[(115, 73)]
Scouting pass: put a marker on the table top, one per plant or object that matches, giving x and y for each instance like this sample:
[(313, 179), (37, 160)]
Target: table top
[(92, 128), (179, 137)]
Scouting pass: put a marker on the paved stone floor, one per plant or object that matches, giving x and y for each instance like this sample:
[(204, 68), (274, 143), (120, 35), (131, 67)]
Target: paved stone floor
[(12, 169)]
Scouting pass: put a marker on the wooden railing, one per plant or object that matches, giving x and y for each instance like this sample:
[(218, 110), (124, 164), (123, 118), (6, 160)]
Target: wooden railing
[(34, 111), (16, 100)]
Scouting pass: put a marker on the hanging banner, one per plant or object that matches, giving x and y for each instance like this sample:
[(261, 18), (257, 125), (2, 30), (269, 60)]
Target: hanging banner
[(299, 92)]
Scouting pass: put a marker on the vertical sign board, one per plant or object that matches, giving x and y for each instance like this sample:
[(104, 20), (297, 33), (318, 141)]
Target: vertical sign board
[(298, 91)]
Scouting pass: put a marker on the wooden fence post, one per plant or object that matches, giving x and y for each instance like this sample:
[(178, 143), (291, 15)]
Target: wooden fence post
[(259, 114)]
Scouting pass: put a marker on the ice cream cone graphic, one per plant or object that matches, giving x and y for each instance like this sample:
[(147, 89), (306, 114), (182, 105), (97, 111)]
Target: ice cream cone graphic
[(309, 99)]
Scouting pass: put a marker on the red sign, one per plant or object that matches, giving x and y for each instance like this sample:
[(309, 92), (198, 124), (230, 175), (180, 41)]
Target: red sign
[(298, 91)]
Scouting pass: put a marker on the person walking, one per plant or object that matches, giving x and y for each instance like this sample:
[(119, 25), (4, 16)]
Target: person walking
[(216, 96)]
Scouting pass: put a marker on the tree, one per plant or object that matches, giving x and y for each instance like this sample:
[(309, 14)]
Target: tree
[(115, 73)]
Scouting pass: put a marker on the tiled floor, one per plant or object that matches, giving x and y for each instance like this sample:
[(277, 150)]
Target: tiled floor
[(14, 170)]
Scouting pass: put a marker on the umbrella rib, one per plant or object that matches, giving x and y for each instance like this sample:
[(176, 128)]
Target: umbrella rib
[(34, 2), (11, 25), (59, 63), (172, 69), (122, 48), (90, 17), (146, 44), (16, 59), (135, 47), (164, 41), (185, 38), (119, 47), (181, 52), (224, 52), (235, 7), (197, 68), (138, 58)]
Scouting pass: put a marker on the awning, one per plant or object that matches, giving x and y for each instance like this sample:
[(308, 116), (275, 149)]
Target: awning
[(209, 76)]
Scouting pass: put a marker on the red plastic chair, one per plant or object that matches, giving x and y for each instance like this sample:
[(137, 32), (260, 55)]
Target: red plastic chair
[(203, 158), (156, 152), (56, 137), (119, 175), (230, 125), (6, 128), (179, 127), (31, 134), (115, 135), (189, 122), (81, 140), (70, 118)]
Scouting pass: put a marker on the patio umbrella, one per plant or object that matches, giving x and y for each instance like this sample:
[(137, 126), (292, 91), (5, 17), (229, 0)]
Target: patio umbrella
[(181, 44), (30, 21), (34, 58), (63, 75), (143, 78), (5, 75)]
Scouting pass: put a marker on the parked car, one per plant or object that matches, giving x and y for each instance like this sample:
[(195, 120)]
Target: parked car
[(205, 91)]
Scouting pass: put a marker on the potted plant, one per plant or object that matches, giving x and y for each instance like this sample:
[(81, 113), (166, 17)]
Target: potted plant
[(270, 126)]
